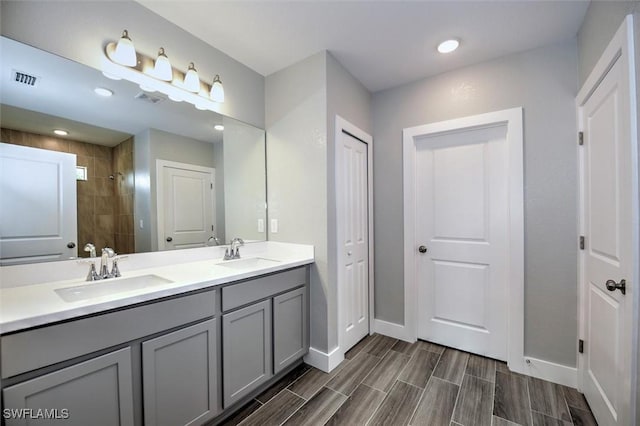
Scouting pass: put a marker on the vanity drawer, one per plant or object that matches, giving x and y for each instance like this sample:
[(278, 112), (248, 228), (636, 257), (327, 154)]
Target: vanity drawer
[(236, 295), (33, 349)]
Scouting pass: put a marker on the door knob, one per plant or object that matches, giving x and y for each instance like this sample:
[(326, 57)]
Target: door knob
[(613, 286), (169, 239), (71, 245), (422, 249), (349, 253)]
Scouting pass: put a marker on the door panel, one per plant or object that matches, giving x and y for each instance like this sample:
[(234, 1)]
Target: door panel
[(354, 263), (38, 213), (462, 210), (607, 209)]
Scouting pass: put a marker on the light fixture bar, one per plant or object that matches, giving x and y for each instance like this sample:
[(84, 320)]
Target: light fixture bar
[(185, 87)]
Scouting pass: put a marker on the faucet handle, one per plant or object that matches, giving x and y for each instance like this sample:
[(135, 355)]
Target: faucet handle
[(115, 271), (93, 274)]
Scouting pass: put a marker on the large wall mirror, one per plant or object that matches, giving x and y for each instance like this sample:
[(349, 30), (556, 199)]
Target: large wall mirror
[(147, 173)]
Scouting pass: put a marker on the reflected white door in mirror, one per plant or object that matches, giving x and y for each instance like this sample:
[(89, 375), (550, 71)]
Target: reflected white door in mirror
[(37, 205), (186, 211)]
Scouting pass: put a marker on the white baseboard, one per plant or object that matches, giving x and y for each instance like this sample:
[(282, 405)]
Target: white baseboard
[(551, 372), (324, 361), (391, 329)]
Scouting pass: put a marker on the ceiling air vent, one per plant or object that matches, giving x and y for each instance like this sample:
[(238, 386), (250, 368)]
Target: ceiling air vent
[(152, 99), (23, 78)]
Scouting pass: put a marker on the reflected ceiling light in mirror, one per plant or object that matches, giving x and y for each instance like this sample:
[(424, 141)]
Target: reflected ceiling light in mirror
[(448, 46), (162, 68), (191, 80), (101, 91), (217, 91), (125, 53), (60, 132), (158, 76), (219, 127)]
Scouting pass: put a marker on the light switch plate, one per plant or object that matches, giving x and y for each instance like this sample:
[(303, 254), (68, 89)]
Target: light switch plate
[(274, 226), (260, 225)]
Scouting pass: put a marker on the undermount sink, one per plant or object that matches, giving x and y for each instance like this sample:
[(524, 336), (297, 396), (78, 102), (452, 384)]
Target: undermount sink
[(107, 287), (249, 263)]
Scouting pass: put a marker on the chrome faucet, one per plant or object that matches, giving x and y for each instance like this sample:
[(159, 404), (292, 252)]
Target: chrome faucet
[(233, 251), (215, 240), (93, 274), (107, 253)]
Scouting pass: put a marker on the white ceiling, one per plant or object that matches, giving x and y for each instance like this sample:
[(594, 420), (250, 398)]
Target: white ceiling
[(382, 43)]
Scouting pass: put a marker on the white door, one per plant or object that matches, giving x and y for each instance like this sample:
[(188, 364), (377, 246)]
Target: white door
[(354, 240), (38, 209), (185, 205), (607, 208), (462, 223)]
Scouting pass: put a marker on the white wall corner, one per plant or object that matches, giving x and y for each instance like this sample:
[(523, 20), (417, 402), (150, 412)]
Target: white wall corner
[(324, 361), (552, 372), (394, 330)]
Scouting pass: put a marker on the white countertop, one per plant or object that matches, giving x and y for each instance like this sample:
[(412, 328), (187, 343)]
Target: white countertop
[(25, 304)]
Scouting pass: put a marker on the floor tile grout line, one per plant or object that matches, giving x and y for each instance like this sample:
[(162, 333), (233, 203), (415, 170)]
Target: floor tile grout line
[(566, 404), (455, 405), (296, 410), (424, 390), (526, 382)]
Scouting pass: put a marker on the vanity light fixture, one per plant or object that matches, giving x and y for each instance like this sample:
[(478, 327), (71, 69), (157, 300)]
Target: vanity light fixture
[(60, 132), (101, 91), (219, 127), (217, 91), (158, 76), (125, 53), (162, 68), (448, 46)]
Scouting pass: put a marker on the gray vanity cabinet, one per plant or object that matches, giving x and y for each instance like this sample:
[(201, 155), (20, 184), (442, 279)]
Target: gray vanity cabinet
[(95, 392), (180, 376), (290, 328), (246, 350)]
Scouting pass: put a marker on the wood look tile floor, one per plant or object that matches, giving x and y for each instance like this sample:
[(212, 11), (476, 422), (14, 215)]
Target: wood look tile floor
[(383, 381)]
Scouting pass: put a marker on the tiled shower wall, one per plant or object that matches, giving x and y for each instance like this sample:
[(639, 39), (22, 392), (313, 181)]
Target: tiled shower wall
[(124, 189), (101, 213)]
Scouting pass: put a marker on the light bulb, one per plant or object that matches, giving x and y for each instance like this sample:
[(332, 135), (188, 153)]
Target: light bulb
[(217, 91), (448, 46), (191, 80), (125, 53)]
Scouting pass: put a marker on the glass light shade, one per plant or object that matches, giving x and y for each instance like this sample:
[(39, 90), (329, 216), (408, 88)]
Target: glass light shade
[(219, 127), (162, 68), (191, 80), (217, 91), (125, 53)]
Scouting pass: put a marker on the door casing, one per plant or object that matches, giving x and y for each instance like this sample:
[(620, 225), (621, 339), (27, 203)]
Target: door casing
[(619, 49), (513, 119), (342, 125)]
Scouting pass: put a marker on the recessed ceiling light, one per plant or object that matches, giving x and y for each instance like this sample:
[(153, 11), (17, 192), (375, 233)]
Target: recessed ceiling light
[(448, 46), (103, 92), (219, 127), (60, 132)]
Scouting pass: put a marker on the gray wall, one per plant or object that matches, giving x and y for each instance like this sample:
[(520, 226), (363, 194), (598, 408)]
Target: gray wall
[(150, 146), (601, 22), (244, 181), (79, 30), (349, 99), (301, 104), (543, 81), (296, 123)]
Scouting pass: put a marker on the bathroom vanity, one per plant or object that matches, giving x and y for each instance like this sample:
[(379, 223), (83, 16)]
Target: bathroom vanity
[(186, 350)]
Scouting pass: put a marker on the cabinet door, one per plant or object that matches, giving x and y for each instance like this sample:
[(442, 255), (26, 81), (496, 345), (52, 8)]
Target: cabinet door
[(94, 392), (246, 350), (290, 328), (179, 381)]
